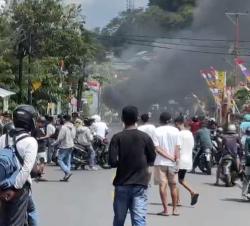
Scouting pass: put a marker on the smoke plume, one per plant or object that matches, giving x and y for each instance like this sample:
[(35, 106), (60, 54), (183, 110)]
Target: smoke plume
[(174, 74)]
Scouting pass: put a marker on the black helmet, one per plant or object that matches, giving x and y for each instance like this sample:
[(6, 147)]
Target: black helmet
[(9, 128), (23, 117), (195, 118), (248, 131)]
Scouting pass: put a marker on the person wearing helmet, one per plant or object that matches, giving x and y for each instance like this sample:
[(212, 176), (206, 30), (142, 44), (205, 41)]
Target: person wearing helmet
[(245, 124), (15, 191), (231, 145), (99, 128)]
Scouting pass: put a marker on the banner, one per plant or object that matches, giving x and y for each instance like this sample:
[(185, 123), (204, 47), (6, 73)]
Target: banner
[(216, 81), (240, 63), (221, 81)]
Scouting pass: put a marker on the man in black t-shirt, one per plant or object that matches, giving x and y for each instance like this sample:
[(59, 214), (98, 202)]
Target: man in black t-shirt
[(40, 135), (131, 152)]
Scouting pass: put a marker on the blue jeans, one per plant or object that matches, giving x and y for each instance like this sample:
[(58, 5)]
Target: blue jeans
[(132, 198), (50, 150), (64, 159), (32, 213), (92, 155)]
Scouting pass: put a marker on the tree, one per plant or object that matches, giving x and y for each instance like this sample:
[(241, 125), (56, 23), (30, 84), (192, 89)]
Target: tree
[(172, 5), (161, 17), (37, 41)]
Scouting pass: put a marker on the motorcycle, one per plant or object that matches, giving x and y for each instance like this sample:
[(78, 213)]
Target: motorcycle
[(101, 147), (205, 161), (228, 170), (80, 157)]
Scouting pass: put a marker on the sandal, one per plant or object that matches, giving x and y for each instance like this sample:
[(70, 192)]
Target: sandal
[(194, 199), (164, 214), (175, 213)]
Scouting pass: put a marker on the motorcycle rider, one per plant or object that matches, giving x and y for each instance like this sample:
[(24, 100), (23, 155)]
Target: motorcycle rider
[(15, 192), (99, 128), (245, 141), (231, 145), (195, 125), (245, 124), (203, 141), (85, 138)]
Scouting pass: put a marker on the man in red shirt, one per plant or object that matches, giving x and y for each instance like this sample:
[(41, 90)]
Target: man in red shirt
[(195, 125)]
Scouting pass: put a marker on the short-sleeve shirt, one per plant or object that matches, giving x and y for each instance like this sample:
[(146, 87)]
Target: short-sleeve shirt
[(186, 152), (168, 138), (151, 131)]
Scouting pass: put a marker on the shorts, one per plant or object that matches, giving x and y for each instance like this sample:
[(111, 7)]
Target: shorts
[(182, 174), (165, 175)]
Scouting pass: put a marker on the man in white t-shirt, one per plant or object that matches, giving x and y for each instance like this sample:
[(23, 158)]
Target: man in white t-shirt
[(186, 157), (99, 128), (148, 128), (50, 131), (167, 162)]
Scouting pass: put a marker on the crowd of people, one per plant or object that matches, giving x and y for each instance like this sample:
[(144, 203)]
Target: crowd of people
[(170, 152), (33, 140), (141, 151)]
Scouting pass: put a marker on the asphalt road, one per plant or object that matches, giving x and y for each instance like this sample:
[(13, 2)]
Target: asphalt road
[(86, 200)]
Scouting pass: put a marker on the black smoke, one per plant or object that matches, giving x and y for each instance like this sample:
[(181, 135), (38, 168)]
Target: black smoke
[(175, 74)]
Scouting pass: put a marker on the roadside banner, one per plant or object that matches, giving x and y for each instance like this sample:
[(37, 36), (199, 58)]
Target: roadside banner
[(241, 64)]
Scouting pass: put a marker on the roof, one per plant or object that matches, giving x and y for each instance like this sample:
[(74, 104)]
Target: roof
[(5, 93)]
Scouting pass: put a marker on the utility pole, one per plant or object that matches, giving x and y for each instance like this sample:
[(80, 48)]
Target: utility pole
[(130, 5), (235, 19)]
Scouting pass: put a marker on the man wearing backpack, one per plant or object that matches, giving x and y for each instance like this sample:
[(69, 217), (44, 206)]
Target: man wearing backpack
[(15, 190)]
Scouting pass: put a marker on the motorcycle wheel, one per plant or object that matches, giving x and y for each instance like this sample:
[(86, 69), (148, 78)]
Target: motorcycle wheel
[(104, 160), (209, 168), (201, 166), (228, 181)]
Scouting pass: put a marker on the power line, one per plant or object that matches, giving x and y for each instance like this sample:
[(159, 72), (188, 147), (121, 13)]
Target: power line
[(174, 44), (187, 50), (184, 38)]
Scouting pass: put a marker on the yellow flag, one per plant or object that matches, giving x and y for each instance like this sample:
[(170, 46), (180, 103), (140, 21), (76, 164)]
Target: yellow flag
[(36, 85), (221, 80)]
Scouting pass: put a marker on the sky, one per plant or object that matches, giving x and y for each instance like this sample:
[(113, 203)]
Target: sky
[(99, 12)]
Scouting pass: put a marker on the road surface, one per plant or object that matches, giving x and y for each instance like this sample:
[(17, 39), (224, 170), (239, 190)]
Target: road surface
[(86, 200)]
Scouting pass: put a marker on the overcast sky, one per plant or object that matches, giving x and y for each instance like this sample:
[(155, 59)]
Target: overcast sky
[(99, 12)]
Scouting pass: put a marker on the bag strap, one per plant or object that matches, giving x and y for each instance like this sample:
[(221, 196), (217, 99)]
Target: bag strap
[(19, 157)]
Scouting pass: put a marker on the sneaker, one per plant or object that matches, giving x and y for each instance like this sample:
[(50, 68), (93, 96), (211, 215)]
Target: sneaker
[(66, 177), (91, 168)]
